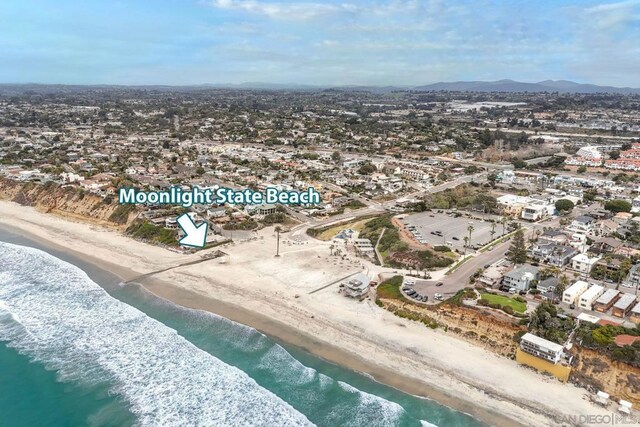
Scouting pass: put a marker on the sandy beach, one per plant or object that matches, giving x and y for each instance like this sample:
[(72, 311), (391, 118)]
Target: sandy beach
[(273, 295)]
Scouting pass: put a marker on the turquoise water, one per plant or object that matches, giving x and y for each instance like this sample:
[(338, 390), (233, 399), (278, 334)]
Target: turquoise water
[(72, 354)]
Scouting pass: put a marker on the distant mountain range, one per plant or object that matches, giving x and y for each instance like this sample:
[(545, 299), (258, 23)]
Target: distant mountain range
[(561, 86), (564, 86)]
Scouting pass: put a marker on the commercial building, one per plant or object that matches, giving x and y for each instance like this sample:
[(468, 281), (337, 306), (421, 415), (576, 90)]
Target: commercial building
[(364, 247), (624, 305), (571, 294), (589, 296), (606, 300), (541, 348), (357, 287)]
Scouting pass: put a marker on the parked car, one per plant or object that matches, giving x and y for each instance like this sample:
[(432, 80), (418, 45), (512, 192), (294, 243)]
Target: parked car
[(439, 284)]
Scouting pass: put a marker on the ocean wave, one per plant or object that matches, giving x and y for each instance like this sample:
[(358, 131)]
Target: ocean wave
[(52, 312), (324, 400)]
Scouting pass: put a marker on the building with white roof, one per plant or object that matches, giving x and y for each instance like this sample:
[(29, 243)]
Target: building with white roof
[(541, 348), (589, 296), (606, 300), (511, 204), (624, 305), (583, 262), (634, 314), (571, 294)]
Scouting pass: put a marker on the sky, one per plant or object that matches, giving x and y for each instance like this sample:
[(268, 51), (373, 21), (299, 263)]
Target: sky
[(343, 42)]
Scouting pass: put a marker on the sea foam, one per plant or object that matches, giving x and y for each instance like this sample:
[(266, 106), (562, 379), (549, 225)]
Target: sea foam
[(52, 312)]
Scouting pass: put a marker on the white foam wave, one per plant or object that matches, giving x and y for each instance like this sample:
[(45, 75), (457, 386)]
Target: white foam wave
[(53, 312), (386, 413)]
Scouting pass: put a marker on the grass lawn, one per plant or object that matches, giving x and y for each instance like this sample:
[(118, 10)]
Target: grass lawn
[(330, 233), (390, 289), (517, 306)]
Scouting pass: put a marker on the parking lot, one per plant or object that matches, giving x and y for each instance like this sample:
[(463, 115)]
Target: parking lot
[(427, 288), (445, 229)]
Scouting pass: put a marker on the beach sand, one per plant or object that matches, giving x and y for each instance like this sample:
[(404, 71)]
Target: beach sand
[(273, 295)]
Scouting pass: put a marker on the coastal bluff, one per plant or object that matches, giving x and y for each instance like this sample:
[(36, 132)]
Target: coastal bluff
[(69, 202)]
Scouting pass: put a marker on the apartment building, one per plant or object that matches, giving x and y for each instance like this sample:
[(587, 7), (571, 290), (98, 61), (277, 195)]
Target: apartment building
[(589, 296), (571, 294)]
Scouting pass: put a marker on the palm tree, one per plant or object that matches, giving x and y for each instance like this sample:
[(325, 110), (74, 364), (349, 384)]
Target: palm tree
[(278, 229), (466, 244), (503, 221), (331, 249), (493, 230), (470, 229)]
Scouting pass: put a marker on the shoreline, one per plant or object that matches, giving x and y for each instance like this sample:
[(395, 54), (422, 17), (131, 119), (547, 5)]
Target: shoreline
[(254, 289), (276, 330)]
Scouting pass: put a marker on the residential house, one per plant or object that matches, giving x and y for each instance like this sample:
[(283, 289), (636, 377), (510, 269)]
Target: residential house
[(633, 279), (610, 267), (605, 245), (554, 235), (583, 263), (548, 285), (606, 227), (521, 277), (541, 348), (582, 224), (553, 254)]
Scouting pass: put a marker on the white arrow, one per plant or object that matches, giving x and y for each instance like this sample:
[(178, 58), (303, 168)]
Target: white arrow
[(195, 237)]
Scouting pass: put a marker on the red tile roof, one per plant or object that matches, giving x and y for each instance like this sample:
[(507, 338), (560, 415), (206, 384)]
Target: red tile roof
[(622, 340)]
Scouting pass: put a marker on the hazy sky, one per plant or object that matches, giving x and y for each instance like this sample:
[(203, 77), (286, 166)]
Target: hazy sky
[(385, 42)]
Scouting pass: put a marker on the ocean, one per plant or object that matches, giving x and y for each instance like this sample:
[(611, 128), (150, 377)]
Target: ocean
[(79, 349)]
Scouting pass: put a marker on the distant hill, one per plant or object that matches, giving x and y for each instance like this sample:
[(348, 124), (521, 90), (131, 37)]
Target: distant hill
[(564, 86)]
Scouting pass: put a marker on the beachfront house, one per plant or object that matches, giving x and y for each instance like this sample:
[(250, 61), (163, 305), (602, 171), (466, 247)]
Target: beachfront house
[(541, 348)]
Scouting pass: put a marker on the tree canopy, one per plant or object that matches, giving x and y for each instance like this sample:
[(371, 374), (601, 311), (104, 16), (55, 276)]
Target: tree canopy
[(564, 205), (618, 205), (518, 250)]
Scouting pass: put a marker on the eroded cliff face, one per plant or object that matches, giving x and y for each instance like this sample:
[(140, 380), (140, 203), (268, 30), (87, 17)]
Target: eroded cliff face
[(69, 202), (598, 372)]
